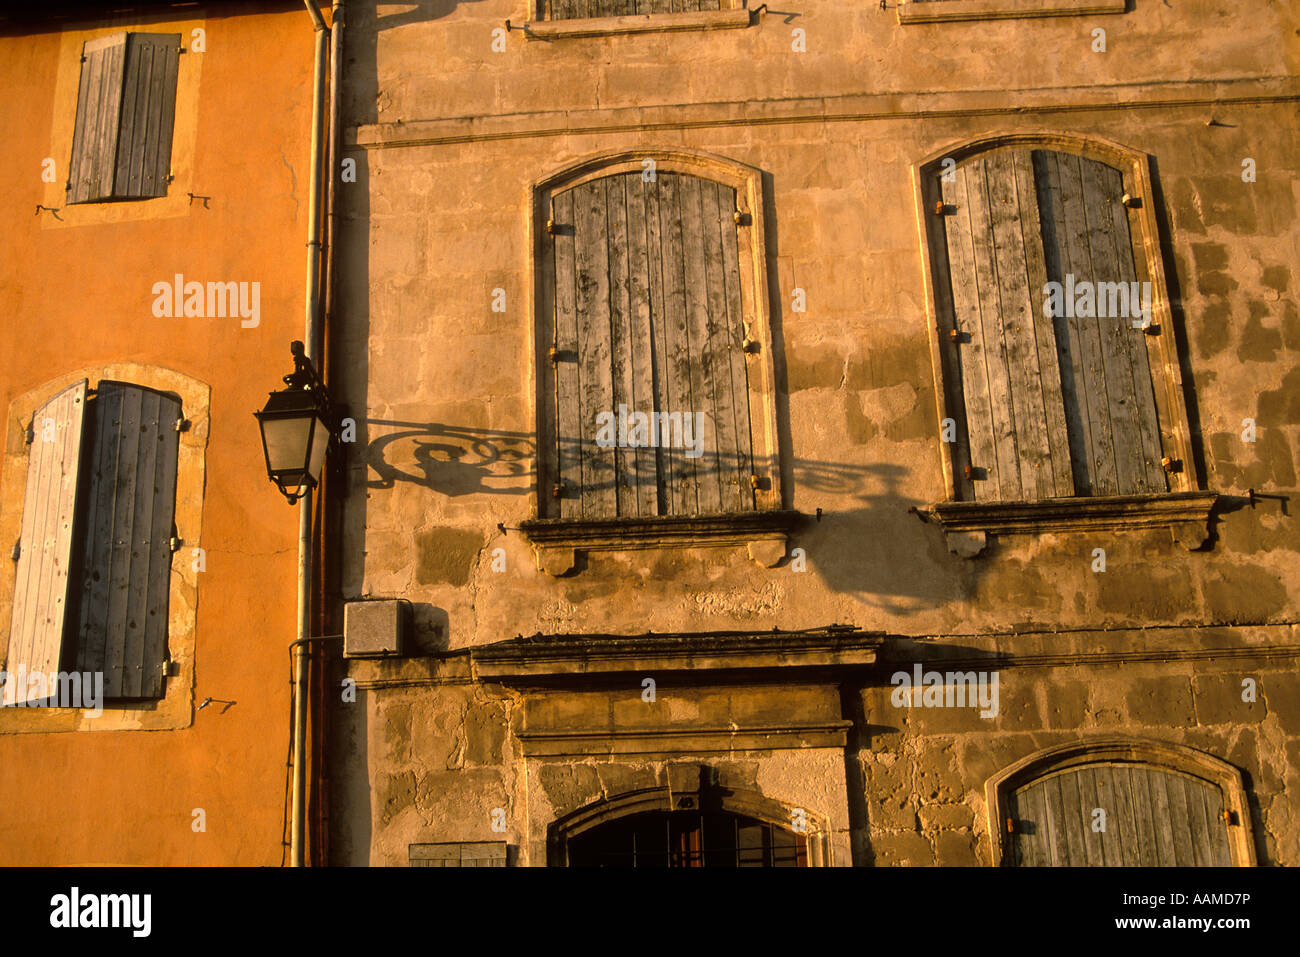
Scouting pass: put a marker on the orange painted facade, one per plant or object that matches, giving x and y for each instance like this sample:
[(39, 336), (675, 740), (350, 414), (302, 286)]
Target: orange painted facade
[(76, 294)]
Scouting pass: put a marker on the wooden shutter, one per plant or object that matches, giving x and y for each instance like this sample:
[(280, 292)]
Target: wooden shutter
[(1155, 817), (126, 106), (1110, 407), (130, 501), (1007, 353), (144, 148), (99, 104), (1054, 406), (45, 548), (648, 315)]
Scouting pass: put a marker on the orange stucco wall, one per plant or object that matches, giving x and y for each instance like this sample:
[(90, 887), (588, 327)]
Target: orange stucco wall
[(77, 294)]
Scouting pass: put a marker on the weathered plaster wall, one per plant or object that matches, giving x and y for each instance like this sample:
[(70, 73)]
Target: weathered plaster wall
[(76, 294), (451, 135)]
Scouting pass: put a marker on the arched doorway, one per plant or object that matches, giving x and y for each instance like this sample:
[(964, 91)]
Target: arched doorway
[(688, 839)]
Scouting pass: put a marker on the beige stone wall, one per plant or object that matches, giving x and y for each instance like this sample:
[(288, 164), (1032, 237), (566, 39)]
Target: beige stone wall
[(450, 137)]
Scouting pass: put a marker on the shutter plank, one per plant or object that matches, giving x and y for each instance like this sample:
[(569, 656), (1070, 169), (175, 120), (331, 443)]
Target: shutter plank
[(1062, 853), (681, 486), (1125, 821), (42, 578), (1179, 819), (1166, 852), (95, 134), (567, 397), (645, 477), (695, 356), (127, 442), (718, 439), (734, 325), (592, 270), (961, 239), (620, 336), (1145, 828), (665, 472), (148, 114), (1198, 830), (1045, 383)]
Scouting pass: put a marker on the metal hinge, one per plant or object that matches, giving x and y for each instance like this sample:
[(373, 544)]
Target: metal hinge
[(1011, 825), (30, 435), (182, 425), (175, 543), (17, 550)]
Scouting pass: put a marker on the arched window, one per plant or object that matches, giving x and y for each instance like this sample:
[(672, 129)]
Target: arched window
[(1118, 802), (1057, 363), (654, 357)]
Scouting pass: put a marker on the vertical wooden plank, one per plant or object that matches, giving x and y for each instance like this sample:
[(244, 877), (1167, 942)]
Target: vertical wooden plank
[(124, 563), (97, 541), (695, 357), (645, 476), (1179, 818), (1082, 785), (961, 240), (665, 473), (719, 443), (1045, 383), (42, 583), (1217, 852), (1055, 814), (597, 393), (1075, 815), (1143, 416), (567, 370), (1198, 832), (1032, 840), (161, 115), (734, 326), (1123, 823), (620, 336), (162, 518), (135, 536), (683, 497), (1145, 828)]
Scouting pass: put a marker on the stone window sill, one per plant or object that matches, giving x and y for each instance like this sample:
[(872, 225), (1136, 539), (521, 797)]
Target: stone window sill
[(939, 11), (639, 23), (557, 541), (967, 525)]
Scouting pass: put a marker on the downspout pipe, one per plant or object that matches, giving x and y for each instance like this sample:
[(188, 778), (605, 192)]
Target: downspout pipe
[(311, 339)]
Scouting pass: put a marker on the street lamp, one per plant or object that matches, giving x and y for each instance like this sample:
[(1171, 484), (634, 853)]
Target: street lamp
[(297, 425)]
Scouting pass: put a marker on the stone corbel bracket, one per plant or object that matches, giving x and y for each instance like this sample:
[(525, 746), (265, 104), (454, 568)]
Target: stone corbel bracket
[(967, 525), (557, 542)]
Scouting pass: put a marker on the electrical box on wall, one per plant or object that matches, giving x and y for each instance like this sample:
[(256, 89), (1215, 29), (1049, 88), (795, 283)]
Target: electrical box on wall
[(375, 629)]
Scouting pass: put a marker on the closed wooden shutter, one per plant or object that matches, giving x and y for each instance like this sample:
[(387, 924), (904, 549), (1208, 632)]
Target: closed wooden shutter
[(577, 9), (99, 105), (1155, 817), (1054, 406), (126, 564), (648, 315), (45, 548), (126, 106), (1114, 431)]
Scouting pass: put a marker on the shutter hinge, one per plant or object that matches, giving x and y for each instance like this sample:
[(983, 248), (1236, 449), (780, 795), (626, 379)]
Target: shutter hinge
[(742, 218), (30, 435), (958, 336), (182, 425), (557, 490), (944, 209), (17, 550), (1229, 817), (553, 354), (755, 481), (1131, 202), (1011, 825), (750, 345), (175, 542), (1171, 465), (550, 227)]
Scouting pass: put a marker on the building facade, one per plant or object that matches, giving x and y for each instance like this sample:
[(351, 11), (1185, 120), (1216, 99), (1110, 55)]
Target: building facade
[(148, 306), (754, 495)]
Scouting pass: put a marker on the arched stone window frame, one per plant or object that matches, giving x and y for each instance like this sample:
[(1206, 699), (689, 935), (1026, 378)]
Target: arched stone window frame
[(733, 801), (763, 529), (1155, 754), (176, 708), (1186, 507)]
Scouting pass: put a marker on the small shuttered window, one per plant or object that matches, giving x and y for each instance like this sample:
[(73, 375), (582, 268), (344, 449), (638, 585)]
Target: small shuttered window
[(94, 562), (648, 323), (582, 9), (1058, 402), (126, 105)]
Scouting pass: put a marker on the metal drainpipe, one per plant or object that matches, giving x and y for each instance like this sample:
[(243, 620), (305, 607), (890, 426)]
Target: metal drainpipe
[(311, 341)]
